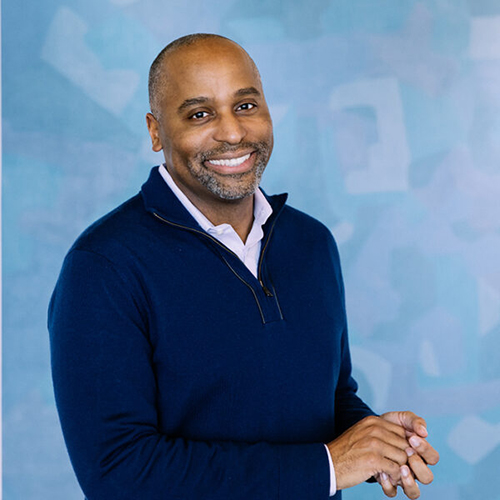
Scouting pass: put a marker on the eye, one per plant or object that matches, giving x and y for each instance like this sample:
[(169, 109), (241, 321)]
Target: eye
[(247, 106), (199, 115)]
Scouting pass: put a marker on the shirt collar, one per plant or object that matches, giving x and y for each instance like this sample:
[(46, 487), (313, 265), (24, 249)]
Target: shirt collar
[(261, 207)]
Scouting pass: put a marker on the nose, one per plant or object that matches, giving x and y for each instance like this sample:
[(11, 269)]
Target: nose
[(229, 129)]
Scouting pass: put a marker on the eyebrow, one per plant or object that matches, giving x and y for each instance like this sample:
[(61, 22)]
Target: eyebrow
[(247, 91), (196, 101)]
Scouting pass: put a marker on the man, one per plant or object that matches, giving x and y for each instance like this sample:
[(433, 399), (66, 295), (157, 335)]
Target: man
[(198, 331)]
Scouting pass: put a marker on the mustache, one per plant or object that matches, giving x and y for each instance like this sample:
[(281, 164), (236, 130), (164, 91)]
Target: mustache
[(259, 147)]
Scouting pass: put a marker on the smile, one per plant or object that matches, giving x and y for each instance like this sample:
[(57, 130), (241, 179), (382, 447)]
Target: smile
[(230, 162)]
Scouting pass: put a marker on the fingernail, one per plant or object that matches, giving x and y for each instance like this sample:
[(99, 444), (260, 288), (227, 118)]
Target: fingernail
[(383, 475), (410, 452), (415, 441), (405, 472), (423, 430)]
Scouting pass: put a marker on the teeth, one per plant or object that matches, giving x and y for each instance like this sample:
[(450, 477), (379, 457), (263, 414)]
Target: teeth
[(233, 162)]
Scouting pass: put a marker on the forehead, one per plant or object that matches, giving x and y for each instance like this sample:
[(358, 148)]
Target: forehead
[(211, 69)]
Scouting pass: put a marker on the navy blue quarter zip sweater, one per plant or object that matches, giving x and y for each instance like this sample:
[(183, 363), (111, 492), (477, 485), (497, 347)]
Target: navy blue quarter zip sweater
[(179, 375)]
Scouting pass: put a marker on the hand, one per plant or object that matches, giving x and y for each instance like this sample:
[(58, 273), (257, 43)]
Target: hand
[(368, 448), (420, 453)]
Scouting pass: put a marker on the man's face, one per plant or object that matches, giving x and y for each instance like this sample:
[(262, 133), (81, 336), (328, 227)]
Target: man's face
[(214, 125)]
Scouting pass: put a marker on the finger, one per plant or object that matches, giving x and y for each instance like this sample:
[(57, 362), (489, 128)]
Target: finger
[(390, 425), (408, 420), (383, 445), (410, 487), (386, 432), (412, 422), (387, 487), (424, 449), (419, 468), (393, 453), (392, 470)]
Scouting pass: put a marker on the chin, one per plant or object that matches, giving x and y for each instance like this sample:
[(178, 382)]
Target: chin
[(232, 193), (232, 187)]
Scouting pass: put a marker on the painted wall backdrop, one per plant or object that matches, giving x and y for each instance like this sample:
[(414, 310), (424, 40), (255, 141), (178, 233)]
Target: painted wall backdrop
[(387, 124)]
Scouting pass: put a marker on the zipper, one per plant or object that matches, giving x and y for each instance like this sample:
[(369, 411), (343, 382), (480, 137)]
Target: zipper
[(203, 233), (249, 286), (261, 259), (266, 290), (215, 240), (277, 302)]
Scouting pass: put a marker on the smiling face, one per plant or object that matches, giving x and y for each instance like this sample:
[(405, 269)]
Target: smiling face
[(212, 121)]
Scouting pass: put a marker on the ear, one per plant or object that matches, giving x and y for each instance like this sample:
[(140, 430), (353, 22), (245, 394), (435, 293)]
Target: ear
[(154, 132)]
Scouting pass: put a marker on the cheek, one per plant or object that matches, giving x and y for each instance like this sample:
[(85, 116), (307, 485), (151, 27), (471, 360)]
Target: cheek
[(192, 142), (266, 130), (271, 135), (186, 150), (267, 137)]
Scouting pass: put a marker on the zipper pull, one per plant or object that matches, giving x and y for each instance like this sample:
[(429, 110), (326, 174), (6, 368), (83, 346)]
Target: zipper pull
[(266, 290)]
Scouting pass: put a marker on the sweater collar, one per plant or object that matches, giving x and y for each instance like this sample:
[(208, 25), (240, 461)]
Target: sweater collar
[(158, 198)]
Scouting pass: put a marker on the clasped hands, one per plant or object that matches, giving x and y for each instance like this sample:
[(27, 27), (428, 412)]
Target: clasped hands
[(391, 448)]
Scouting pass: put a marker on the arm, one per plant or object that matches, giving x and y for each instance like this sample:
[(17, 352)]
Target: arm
[(349, 407), (103, 364), (366, 445), (391, 448)]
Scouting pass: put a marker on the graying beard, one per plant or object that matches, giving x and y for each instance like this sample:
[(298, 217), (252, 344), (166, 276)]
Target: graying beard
[(238, 193)]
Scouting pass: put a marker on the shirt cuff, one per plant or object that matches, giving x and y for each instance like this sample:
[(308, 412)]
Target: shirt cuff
[(333, 479)]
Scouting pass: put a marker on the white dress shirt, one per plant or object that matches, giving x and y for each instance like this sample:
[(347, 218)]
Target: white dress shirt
[(248, 252)]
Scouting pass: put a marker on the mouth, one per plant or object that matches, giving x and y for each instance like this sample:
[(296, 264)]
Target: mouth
[(230, 162), (232, 165)]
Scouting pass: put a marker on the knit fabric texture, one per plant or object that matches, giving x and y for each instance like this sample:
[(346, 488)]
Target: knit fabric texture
[(179, 375)]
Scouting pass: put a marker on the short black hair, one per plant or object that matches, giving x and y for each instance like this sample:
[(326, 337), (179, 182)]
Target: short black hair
[(155, 72)]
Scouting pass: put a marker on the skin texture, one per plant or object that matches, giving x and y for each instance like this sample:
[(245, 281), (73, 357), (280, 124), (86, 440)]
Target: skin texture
[(420, 454), (392, 448), (213, 108)]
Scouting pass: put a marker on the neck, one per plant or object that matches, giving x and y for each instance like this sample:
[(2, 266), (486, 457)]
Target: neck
[(237, 213)]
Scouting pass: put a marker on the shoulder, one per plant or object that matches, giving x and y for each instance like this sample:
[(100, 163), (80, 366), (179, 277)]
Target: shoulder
[(103, 259), (114, 225), (303, 220), (113, 233), (301, 234), (290, 216), (305, 227)]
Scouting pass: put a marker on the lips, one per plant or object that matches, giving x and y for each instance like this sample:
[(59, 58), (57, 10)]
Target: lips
[(233, 165), (230, 162)]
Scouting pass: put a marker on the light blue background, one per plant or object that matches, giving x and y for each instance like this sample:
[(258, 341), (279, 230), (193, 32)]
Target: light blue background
[(387, 125)]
